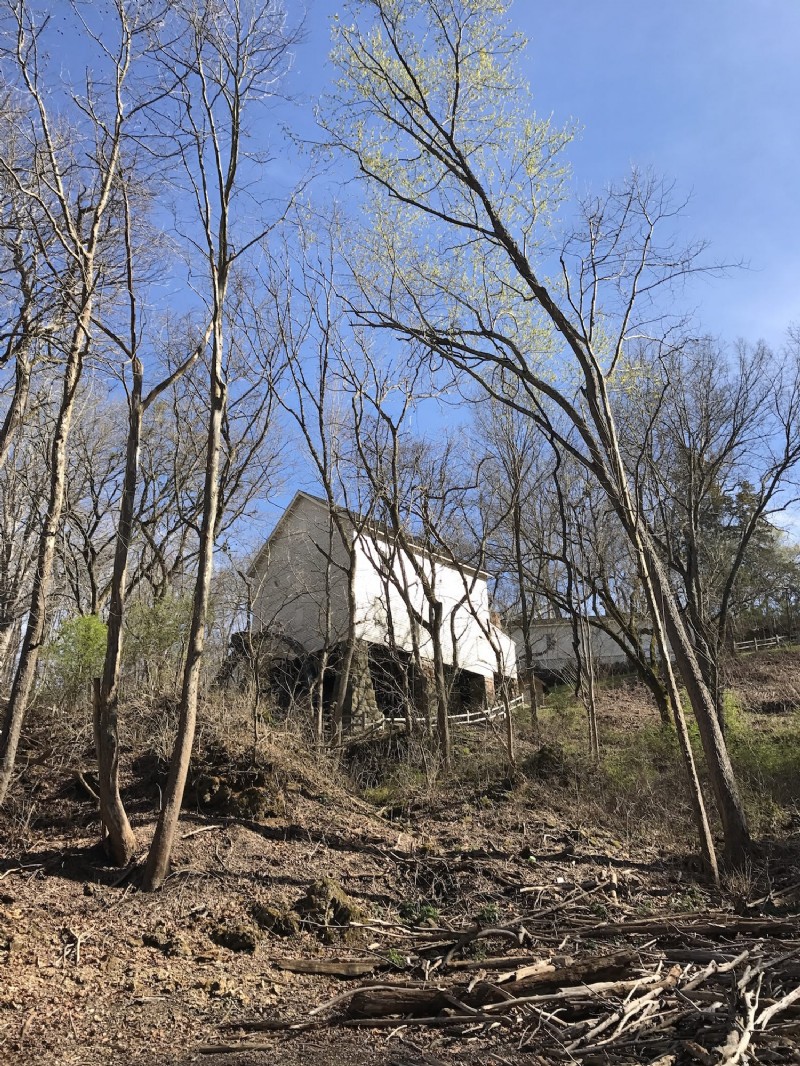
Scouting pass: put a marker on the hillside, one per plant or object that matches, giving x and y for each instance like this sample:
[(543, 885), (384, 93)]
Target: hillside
[(563, 874)]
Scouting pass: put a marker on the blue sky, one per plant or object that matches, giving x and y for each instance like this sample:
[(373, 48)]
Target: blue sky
[(706, 93)]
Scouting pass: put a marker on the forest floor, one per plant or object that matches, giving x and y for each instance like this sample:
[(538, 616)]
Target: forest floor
[(563, 894)]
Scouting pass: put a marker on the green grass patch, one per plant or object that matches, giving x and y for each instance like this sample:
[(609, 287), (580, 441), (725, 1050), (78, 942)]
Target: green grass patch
[(637, 787)]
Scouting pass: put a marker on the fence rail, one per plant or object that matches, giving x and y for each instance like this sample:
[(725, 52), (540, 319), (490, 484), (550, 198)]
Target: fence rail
[(470, 717), (758, 643)]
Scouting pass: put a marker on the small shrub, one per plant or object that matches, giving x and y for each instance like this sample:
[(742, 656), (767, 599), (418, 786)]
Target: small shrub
[(562, 701), (73, 658), (489, 914), (478, 951), (733, 712), (641, 761), (379, 796), (155, 634), (767, 765), (415, 913), (484, 771), (550, 760)]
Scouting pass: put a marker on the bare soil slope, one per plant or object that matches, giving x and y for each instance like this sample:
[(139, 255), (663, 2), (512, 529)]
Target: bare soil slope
[(93, 971)]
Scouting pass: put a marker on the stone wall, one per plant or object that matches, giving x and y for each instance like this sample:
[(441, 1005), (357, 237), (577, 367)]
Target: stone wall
[(423, 690), (361, 705)]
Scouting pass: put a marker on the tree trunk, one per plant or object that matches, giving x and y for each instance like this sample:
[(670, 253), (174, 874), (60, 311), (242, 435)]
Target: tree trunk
[(121, 841), (655, 685), (662, 701), (707, 650), (254, 665), (511, 747), (525, 619), (723, 782), (9, 632), (18, 405), (440, 682), (159, 856), (34, 630), (588, 685), (695, 790), (319, 695), (346, 665)]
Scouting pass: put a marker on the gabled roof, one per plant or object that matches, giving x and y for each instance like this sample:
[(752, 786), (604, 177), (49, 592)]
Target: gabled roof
[(359, 522), (282, 521)]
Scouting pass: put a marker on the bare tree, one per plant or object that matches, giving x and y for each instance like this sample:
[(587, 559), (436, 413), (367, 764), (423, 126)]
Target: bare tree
[(584, 551), (23, 488), (121, 840), (229, 57), (31, 306), (308, 315), (514, 470), (74, 189), (393, 466), (432, 111), (719, 460), (93, 479), (463, 525)]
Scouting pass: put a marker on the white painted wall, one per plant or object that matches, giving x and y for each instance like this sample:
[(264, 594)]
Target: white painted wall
[(551, 645), (290, 577), (380, 601), (290, 589)]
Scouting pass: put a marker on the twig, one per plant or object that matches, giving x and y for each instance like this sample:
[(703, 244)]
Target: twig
[(619, 1015), (734, 1053), (776, 1008), (86, 786), (21, 869), (202, 829)]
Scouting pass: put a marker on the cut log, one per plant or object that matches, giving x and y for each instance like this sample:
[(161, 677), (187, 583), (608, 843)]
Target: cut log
[(725, 925), (383, 1002), (329, 967), (606, 967), (388, 1001)]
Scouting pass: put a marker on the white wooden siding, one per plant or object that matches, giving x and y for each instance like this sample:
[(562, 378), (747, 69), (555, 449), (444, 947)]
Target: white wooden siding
[(551, 646), (290, 578), (290, 589), (382, 571)]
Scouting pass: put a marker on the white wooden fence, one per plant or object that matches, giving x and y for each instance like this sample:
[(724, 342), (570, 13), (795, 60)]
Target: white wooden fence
[(760, 643), (472, 716)]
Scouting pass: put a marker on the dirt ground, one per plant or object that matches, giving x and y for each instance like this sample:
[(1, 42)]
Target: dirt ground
[(93, 971), (102, 973), (97, 973), (767, 683)]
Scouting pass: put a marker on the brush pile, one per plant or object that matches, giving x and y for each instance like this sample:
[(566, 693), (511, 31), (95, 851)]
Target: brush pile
[(709, 987)]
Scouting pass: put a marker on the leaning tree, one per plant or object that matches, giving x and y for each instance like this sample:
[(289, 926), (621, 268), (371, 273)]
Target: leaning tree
[(460, 182)]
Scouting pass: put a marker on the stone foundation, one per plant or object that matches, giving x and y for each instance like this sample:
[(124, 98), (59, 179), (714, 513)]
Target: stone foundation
[(489, 691), (423, 691), (361, 705)]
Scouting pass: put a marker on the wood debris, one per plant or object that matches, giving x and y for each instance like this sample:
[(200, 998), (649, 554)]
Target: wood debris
[(705, 987)]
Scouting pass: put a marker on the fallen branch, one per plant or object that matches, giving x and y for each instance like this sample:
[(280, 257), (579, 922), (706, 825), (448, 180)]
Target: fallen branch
[(202, 829), (330, 967), (87, 788), (634, 1003)]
